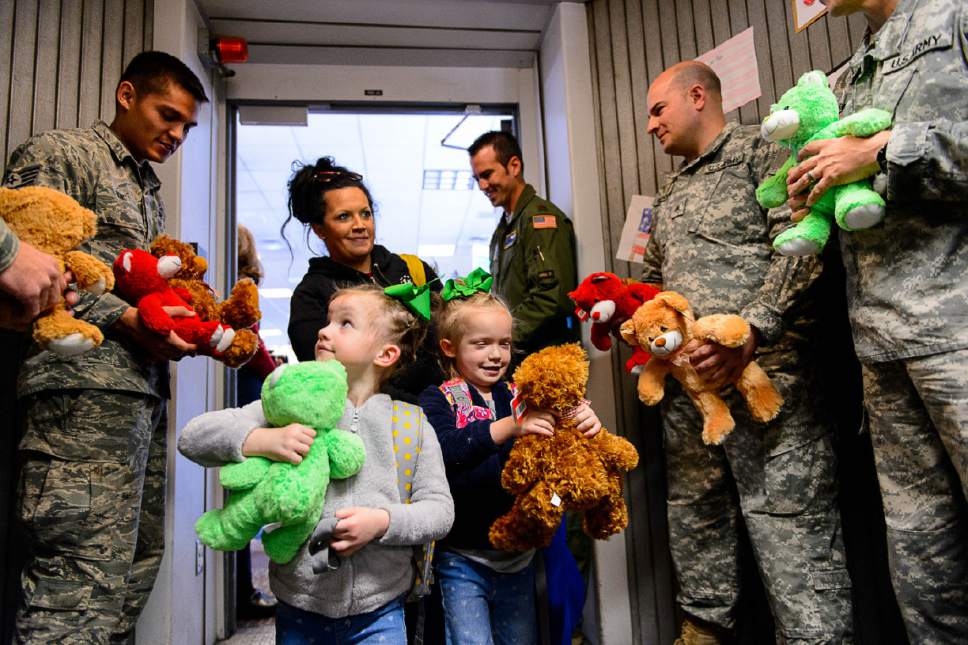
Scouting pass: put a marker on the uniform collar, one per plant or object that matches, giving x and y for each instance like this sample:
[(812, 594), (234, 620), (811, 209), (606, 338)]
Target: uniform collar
[(711, 150), (523, 200), (122, 155), (889, 38)]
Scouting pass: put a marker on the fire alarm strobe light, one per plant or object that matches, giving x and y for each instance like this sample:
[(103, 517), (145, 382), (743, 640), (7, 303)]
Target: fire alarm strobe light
[(230, 50)]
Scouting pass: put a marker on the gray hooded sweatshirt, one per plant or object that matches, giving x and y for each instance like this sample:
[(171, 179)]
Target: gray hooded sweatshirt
[(383, 569)]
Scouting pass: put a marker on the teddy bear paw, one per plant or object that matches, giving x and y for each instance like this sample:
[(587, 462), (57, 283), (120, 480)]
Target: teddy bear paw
[(863, 217), (71, 345), (798, 247), (98, 288), (221, 339)]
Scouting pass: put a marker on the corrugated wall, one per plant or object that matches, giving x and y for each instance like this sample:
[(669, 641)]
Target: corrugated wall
[(60, 61), (59, 64), (632, 42)]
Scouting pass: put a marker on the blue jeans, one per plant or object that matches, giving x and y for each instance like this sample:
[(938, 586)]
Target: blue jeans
[(482, 606), (299, 627)]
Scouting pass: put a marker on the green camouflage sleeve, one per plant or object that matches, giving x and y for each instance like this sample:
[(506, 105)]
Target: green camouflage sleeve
[(550, 263), (9, 246), (787, 277), (44, 161), (928, 160)]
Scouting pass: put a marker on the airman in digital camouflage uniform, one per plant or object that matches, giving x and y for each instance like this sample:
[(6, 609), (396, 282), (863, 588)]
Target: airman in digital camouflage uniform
[(92, 488), (532, 248), (711, 242), (907, 291)]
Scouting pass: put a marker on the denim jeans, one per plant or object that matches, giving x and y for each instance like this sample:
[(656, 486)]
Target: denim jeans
[(484, 607), (299, 627)]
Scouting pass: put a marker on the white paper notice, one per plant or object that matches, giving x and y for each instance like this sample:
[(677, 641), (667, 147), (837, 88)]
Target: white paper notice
[(635, 233), (805, 12), (735, 63)]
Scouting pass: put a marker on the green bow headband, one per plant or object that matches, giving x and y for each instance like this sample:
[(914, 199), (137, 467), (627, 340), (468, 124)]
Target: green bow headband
[(416, 299), (475, 281)]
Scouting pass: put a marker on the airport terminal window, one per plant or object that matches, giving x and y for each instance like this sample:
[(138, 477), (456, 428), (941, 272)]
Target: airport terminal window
[(426, 201)]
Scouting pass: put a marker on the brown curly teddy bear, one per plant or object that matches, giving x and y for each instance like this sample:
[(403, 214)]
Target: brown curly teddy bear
[(55, 223), (662, 327), (564, 472), (239, 311)]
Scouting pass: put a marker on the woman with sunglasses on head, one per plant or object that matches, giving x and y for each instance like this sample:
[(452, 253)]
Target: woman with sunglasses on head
[(335, 204)]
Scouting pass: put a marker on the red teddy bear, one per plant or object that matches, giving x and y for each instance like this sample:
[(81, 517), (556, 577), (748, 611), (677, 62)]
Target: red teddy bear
[(609, 301), (141, 279)]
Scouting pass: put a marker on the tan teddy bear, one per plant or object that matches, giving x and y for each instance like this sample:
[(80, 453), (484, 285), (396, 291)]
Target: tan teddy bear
[(566, 471), (662, 327), (55, 223)]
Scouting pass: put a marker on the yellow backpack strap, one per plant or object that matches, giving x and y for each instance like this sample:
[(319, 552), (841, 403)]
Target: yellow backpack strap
[(407, 427), (416, 268)]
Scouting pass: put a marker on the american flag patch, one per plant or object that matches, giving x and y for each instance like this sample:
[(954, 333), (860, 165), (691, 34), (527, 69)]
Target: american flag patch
[(544, 221)]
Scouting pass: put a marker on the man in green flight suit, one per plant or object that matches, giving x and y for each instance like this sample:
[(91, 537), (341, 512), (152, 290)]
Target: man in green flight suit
[(532, 249)]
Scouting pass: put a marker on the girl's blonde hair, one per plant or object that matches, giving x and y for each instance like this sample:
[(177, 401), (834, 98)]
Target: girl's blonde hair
[(404, 329), (451, 323), (249, 264)]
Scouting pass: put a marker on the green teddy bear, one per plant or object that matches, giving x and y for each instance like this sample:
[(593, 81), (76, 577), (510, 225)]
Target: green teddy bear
[(808, 112), (265, 491)]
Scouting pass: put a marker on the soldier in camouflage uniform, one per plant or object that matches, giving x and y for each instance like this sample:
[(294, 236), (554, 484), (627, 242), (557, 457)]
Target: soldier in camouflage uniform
[(532, 249), (711, 242), (908, 294), (92, 486), (32, 280)]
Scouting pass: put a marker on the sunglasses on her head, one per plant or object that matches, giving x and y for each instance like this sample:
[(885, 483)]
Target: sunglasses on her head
[(329, 176)]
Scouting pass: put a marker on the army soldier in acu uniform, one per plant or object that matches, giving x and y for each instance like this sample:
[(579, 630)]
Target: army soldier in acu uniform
[(711, 242), (907, 291), (532, 250), (92, 485)]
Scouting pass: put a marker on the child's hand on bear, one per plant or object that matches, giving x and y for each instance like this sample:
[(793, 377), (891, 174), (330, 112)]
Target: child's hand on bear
[(357, 526), (586, 421), (536, 422), (289, 443)]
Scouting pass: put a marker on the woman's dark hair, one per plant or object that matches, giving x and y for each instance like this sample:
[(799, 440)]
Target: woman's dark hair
[(308, 186)]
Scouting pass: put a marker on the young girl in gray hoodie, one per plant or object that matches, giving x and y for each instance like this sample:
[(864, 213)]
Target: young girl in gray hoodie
[(372, 528)]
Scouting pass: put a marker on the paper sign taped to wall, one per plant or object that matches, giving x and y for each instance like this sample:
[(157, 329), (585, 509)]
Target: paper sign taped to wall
[(806, 12), (734, 62), (635, 233)]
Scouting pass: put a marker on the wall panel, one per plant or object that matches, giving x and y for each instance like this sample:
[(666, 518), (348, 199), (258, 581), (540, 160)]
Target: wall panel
[(59, 63)]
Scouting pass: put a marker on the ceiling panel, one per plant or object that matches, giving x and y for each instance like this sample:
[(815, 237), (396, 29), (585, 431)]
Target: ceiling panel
[(457, 14)]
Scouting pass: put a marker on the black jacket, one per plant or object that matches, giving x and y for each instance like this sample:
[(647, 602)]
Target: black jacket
[(309, 307), (473, 463)]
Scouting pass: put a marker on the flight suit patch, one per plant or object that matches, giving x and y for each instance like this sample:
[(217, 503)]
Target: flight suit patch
[(509, 239), (546, 278), (544, 221)]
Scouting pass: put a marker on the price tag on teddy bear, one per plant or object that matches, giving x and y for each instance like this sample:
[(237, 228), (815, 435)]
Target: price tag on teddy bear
[(555, 500)]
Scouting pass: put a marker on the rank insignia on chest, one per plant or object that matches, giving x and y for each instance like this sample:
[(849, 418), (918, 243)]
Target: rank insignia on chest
[(544, 221), (509, 239)]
